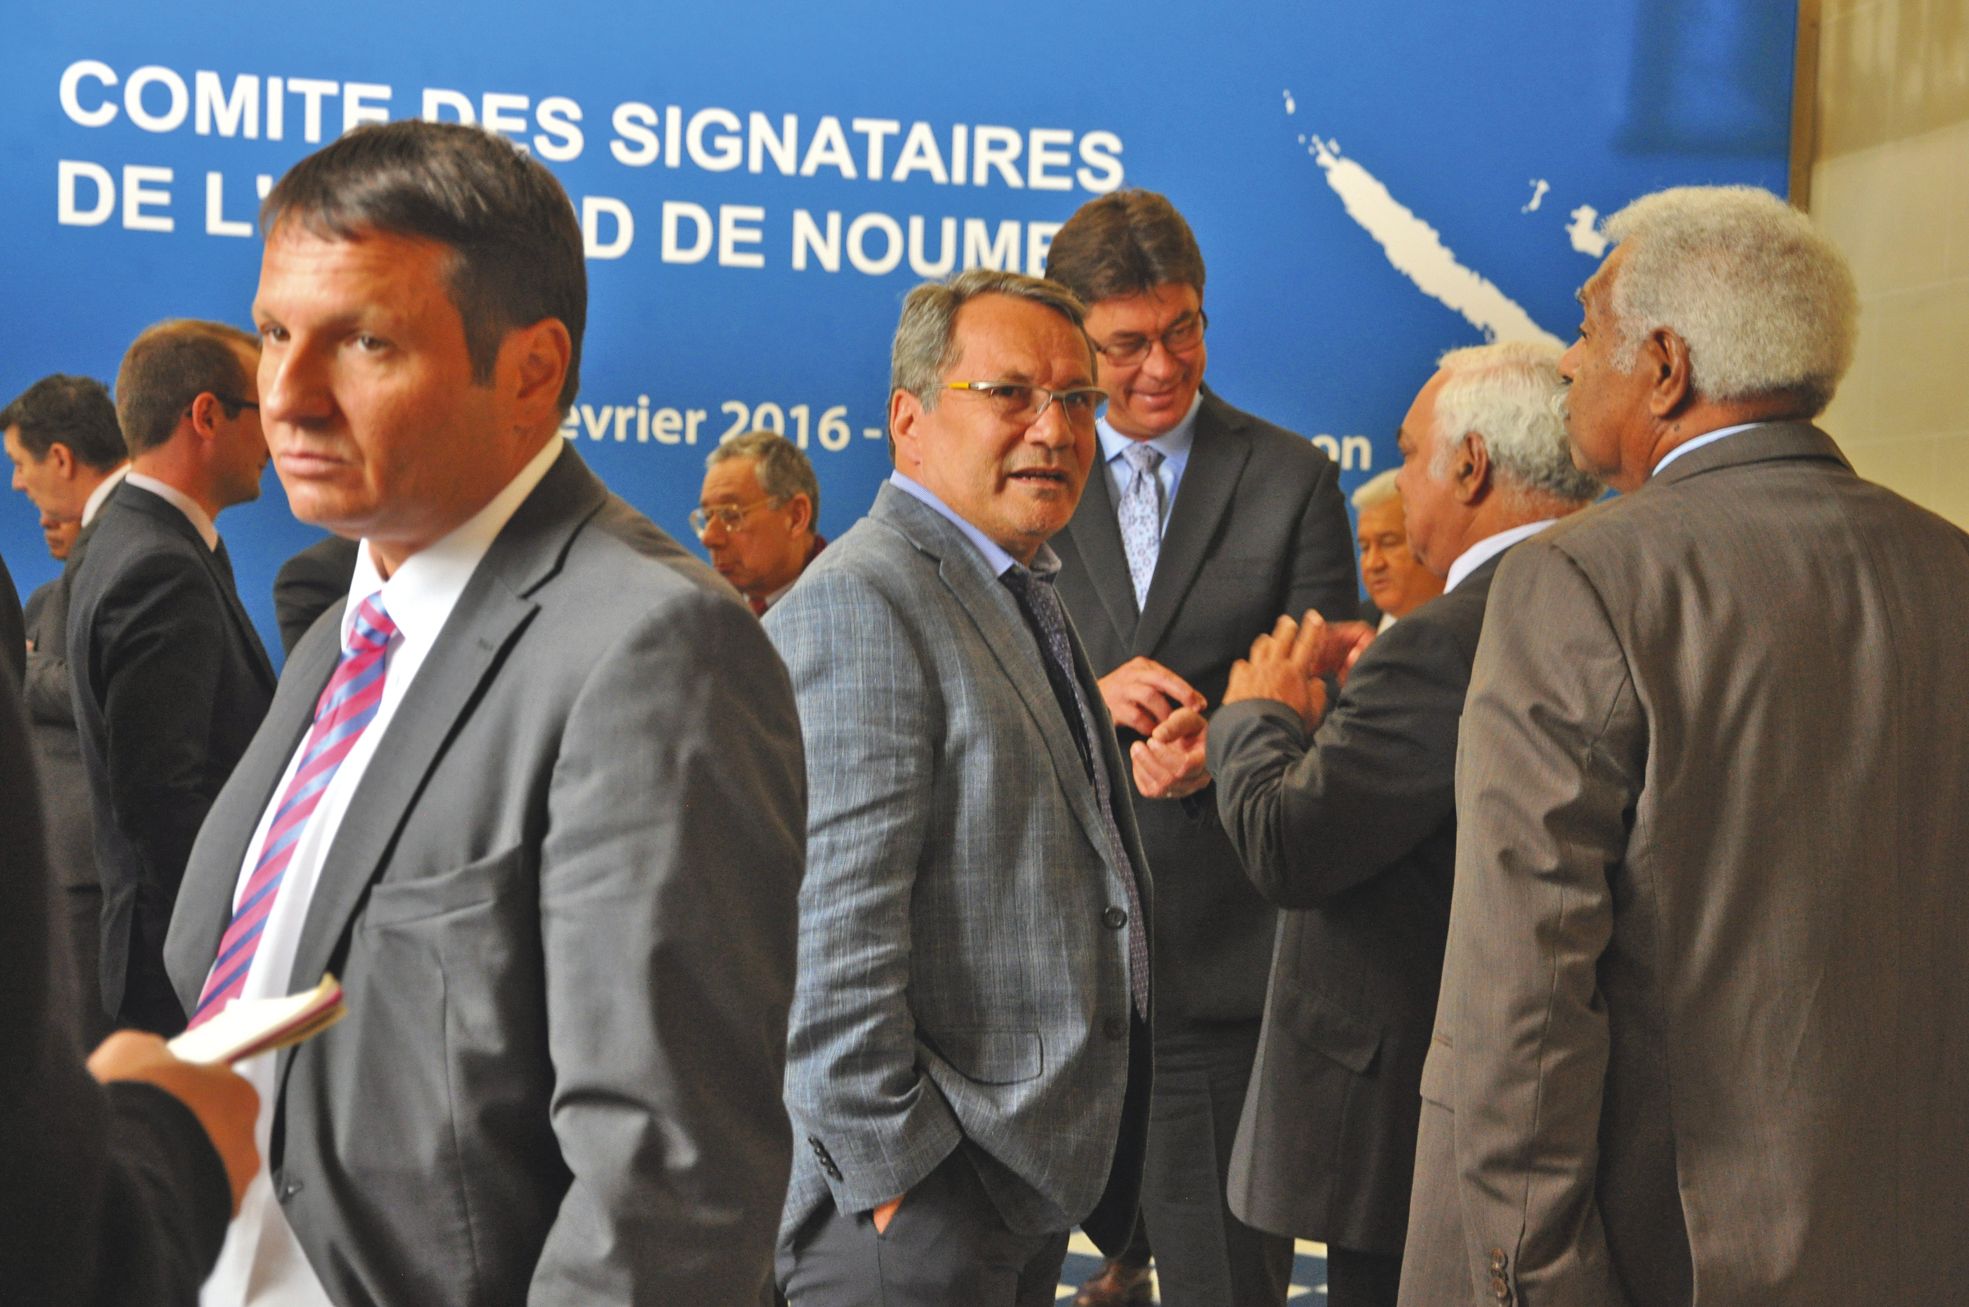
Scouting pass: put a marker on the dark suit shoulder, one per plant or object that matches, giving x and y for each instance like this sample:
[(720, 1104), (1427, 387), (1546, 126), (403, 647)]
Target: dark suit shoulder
[(128, 532), (1279, 449), (1458, 613)]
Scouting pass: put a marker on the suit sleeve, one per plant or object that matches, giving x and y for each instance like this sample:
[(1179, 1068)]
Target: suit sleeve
[(111, 1196), (1313, 821), (871, 716), (667, 890), (1323, 569), (159, 643), (46, 691), (1552, 760), (13, 630)]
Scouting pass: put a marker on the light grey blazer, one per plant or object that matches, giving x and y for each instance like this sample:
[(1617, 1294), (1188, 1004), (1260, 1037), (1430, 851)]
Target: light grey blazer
[(1699, 1039), (562, 908), (959, 976)]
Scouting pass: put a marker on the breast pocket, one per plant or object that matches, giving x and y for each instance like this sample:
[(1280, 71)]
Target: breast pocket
[(476, 886)]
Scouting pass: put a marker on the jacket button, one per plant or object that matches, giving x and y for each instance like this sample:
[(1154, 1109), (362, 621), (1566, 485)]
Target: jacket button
[(288, 1188), (1115, 1027), (1499, 1289), (1497, 1261), (1115, 918)]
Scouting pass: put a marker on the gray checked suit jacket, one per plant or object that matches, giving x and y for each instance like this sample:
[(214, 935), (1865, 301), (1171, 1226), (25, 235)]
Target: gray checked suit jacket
[(1700, 1032), (963, 972), (561, 906)]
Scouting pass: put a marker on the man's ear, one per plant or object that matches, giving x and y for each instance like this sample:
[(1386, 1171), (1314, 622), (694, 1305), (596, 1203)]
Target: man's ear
[(1666, 356), (539, 356), (205, 415), (803, 511), (60, 460), (905, 431), (1469, 469)]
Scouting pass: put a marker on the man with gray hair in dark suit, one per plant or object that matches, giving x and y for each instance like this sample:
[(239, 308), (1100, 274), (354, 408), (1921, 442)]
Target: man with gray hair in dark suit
[(968, 1064), (1345, 818), (1708, 932)]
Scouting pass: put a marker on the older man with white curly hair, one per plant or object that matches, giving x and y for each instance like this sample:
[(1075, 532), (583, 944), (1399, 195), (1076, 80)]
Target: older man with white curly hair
[(1709, 932)]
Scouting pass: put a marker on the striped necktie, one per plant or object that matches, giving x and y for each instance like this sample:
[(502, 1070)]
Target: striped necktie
[(346, 707)]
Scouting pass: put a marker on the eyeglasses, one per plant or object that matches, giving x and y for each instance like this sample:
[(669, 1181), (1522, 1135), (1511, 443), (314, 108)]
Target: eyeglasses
[(1181, 338), (232, 406), (1017, 401), (729, 516)]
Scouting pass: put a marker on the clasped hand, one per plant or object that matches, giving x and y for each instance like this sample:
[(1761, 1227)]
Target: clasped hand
[(1286, 665)]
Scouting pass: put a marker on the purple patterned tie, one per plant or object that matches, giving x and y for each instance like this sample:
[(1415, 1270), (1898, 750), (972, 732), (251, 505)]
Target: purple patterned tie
[(346, 707)]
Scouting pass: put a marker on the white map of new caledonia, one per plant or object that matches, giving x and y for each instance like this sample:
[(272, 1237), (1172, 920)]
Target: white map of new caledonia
[(1417, 251)]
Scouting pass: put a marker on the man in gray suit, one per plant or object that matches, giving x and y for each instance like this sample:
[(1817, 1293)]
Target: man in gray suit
[(1708, 935), (557, 886), (969, 1056), (1346, 817), (68, 454), (1201, 525)]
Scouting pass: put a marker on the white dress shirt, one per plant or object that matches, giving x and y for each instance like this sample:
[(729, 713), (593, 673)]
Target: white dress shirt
[(94, 503), (1490, 547), (262, 1263), (1692, 445)]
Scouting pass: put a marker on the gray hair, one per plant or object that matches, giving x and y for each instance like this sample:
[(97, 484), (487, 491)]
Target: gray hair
[(926, 337), (1764, 301), (1377, 490), (783, 471), (1509, 393)]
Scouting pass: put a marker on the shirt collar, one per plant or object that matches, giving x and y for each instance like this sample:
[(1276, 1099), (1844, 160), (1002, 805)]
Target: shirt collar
[(201, 522), (1173, 443), (421, 593), (94, 504), (1044, 564), (1690, 446), (1490, 547)]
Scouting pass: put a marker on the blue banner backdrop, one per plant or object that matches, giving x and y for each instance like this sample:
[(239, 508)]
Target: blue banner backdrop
[(1372, 182)]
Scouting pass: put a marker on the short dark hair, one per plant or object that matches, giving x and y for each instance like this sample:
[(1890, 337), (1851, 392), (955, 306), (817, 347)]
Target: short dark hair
[(66, 410), (512, 230), (172, 364), (1124, 243)]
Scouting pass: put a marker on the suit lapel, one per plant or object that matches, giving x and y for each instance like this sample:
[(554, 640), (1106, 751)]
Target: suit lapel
[(1000, 623), (1203, 501), (1095, 534), (243, 629), (495, 607)]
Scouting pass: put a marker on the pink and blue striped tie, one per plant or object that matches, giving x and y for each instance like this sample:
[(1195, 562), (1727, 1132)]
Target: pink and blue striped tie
[(346, 707)]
